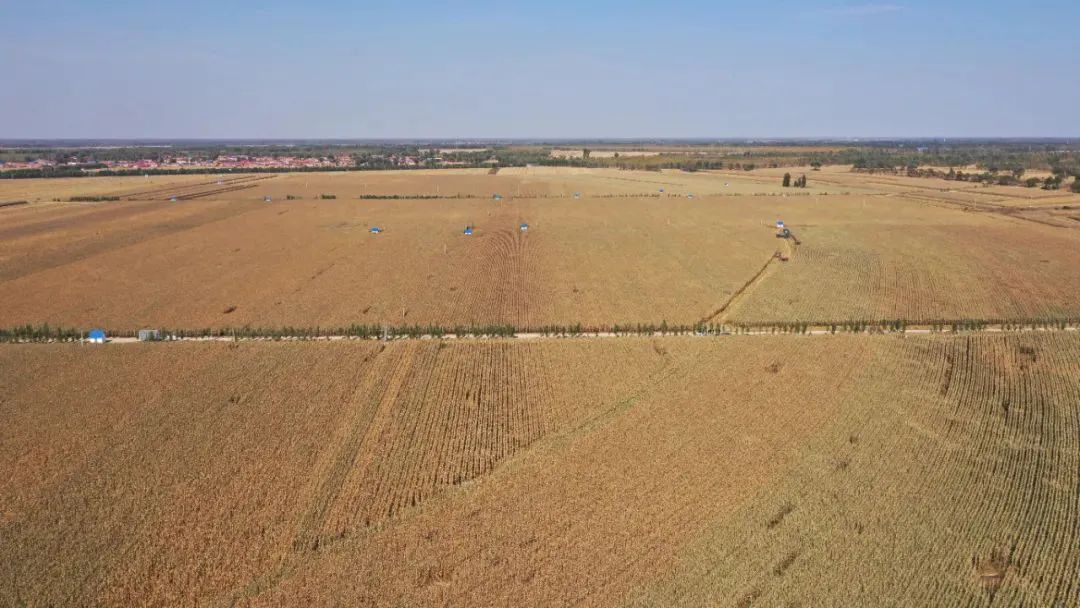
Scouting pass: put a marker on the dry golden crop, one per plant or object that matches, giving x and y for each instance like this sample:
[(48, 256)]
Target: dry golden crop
[(199, 470), (593, 261), (46, 190), (742, 470), (622, 253), (676, 471), (948, 479)]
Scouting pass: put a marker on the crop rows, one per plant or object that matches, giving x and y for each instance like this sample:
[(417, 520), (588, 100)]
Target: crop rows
[(456, 413), (949, 479), (504, 290), (210, 467), (978, 271)]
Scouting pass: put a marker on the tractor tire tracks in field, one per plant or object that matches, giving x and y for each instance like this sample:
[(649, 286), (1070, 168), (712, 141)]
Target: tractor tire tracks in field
[(720, 315), (388, 384)]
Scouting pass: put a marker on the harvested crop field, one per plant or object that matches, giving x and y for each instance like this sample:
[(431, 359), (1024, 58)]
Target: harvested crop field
[(604, 247), (314, 262), (613, 468), (886, 258), (842, 470), (45, 190)]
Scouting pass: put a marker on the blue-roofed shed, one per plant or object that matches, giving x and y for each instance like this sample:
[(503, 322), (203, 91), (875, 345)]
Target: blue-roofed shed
[(96, 336)]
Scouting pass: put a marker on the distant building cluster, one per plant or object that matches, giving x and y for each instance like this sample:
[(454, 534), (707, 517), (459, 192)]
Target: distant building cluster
[(241, 162), (235, 162), (34, 164), (191, 162)]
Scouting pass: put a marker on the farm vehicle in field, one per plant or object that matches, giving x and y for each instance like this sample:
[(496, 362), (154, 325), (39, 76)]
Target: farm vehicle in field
[(786, 233)]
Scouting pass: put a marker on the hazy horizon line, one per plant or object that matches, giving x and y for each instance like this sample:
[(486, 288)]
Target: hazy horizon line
[(538, 140)]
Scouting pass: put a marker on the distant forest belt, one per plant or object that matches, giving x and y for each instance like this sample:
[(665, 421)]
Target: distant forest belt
[(13, 203)]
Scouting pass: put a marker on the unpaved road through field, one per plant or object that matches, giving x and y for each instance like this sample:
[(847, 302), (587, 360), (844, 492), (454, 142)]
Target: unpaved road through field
[(537, 336)]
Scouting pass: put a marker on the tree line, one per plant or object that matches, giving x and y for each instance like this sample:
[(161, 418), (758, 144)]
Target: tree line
[(800, 182), (47, 333)]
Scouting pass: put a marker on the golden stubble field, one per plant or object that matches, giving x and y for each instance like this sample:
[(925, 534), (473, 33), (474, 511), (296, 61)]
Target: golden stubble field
[(873, 247), (840, 470), (46, 190), (678, 471)]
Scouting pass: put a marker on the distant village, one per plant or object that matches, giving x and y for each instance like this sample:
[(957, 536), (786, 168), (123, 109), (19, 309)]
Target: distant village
[(89, 164), (223, 162)]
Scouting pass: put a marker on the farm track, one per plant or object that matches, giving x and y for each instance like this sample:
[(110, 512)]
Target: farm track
[(998, 207), (811, 330), (184, 191), (197, 195)]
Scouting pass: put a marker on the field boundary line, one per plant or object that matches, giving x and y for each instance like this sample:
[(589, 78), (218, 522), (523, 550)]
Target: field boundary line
[(789, 329)]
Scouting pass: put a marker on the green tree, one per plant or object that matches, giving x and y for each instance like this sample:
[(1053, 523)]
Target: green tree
[(787, 180), (1075, 187)]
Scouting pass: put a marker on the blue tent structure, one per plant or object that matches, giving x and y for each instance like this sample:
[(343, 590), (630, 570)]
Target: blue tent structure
[(376, 230), (96, 336), (779, 223), (524, 227), (468, 230)]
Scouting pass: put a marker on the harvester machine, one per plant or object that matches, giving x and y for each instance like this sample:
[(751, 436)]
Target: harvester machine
[(786, 233)]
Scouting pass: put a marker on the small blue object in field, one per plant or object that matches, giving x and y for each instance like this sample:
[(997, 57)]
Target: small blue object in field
[(376, 230), (96, 336)]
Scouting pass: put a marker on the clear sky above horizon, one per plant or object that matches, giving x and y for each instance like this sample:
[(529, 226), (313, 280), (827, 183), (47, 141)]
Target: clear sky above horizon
[(331, 68)]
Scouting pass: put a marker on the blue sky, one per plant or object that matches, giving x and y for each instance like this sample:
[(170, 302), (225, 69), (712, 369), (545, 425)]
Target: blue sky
[(330, 68)]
